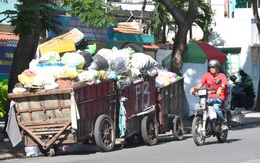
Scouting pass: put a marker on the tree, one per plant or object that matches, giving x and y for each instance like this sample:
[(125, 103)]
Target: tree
[(257, 21), (29, 19), (97, 15), (204, 20), (163, 19), (184, 13)]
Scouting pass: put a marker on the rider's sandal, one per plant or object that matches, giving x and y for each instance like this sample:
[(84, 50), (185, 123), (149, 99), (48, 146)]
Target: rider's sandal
[(224, 127)]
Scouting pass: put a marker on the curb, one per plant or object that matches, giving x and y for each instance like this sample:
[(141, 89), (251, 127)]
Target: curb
[(235, 124)]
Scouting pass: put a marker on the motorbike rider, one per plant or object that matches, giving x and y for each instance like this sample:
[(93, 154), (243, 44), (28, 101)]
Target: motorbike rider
[(218, 98), (248, 83)]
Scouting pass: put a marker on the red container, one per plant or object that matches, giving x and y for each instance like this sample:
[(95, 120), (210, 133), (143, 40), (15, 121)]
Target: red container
[(170, 103), (93, 101), (140, 96)]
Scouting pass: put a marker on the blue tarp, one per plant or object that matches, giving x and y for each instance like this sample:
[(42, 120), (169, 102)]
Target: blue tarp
[(90, 33)]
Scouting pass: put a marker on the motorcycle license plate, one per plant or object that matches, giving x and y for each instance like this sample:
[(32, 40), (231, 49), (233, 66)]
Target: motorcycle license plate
[(202, 92)]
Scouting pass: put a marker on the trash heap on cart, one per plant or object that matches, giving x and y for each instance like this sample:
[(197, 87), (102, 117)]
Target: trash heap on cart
[(63, 62)]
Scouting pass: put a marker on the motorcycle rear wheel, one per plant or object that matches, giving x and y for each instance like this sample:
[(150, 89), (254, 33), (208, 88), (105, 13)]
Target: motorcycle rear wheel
[(197, 134), (222, 136)]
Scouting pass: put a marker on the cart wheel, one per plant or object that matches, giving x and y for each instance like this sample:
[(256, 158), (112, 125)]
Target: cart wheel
[(177, 130), (47, 152), (130, 139), (104, 133), (140, 138), (51, 152), (149, 129)]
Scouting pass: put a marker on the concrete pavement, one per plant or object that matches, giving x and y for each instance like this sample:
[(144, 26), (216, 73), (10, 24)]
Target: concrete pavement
[(240, 116)]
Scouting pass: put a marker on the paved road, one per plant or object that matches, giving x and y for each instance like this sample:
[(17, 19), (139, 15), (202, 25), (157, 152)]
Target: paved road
[(242, 146), (8, 152)]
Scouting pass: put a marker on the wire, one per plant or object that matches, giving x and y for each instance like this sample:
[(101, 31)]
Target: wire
[(130, 16)]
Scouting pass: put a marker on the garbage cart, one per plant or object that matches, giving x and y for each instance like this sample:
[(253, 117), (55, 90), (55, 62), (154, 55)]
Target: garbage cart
[(170, 108), (51, 118), (140, 107)]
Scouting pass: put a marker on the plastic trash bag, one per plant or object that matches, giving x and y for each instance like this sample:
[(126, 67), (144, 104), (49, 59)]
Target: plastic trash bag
[(73, 60), (91, 49), (87, 76), (50, 57), (119, 65), (100, 62), (88, 58), (142, 61), (126, 82)]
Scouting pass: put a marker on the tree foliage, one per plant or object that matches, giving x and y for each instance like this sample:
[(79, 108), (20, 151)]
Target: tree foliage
[(29, 18), (32, 15), (204, 19), (94, 13), (161, 19), (3, 96)]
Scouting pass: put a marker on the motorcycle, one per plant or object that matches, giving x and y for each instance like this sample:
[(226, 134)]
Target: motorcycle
[(205, 122), (238, 95)]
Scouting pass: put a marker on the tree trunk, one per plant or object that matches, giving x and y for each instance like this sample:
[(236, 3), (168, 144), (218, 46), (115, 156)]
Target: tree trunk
[(256, 15), (23, 54), (184, 23), (179, 49), (142, 15), (164, 34), (257, 21)]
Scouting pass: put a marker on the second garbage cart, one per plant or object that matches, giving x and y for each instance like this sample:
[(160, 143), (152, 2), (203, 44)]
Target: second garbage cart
[(170, 108)]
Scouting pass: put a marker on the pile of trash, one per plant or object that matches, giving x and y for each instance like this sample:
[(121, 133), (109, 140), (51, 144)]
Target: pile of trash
[(69, 58)]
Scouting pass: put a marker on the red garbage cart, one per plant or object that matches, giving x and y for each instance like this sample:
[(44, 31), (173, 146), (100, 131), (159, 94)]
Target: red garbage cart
[(170, 108), (46, 117)]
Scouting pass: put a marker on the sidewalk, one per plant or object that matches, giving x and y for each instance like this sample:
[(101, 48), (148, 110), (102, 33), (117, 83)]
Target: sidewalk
[(247, 117)]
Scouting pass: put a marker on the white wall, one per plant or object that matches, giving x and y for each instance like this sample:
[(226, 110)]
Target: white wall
[(134, 6), (231, 32), (192, 73), (218, 7)]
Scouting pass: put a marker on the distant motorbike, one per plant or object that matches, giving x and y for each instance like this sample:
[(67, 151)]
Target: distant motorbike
[(238, 96), (205, 122)]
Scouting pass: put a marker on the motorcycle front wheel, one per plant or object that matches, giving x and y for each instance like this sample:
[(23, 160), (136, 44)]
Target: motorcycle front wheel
[(197, 134)]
